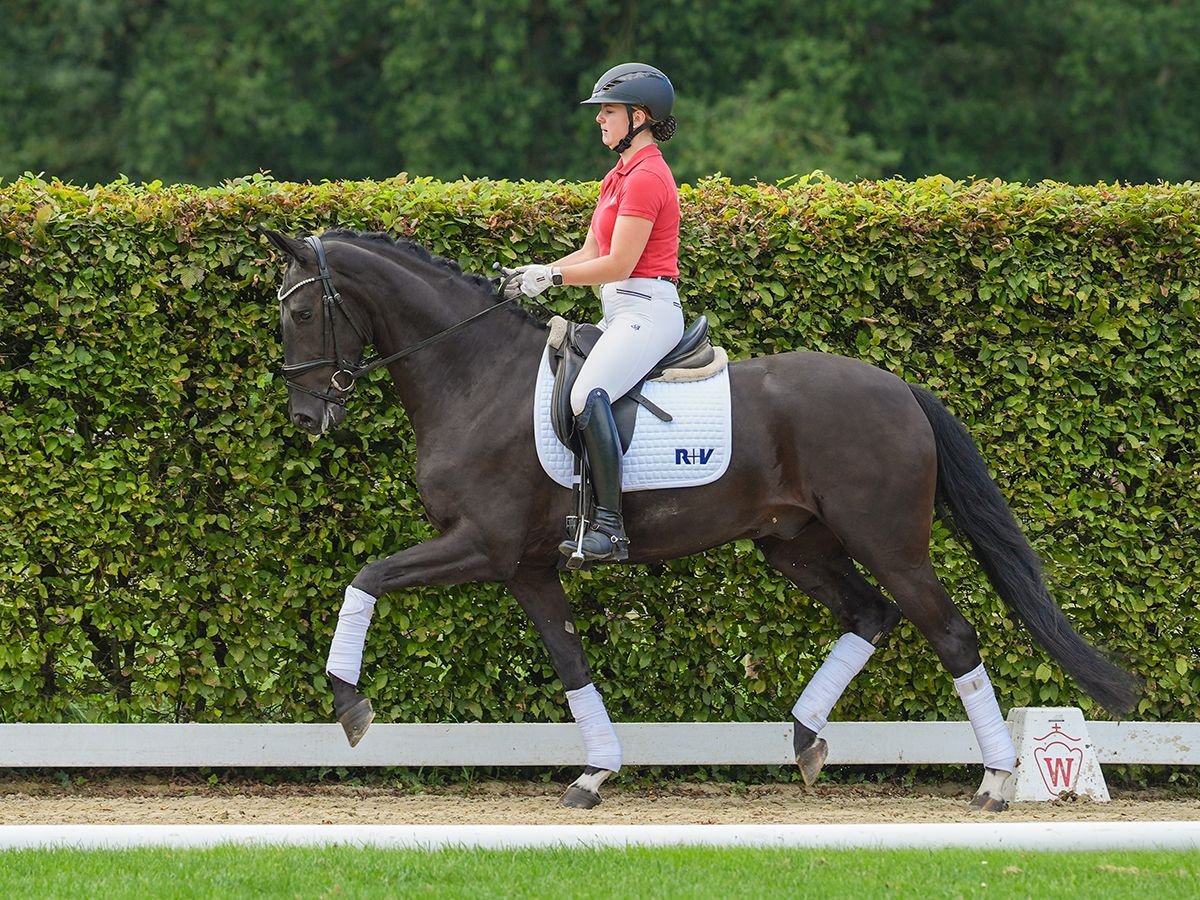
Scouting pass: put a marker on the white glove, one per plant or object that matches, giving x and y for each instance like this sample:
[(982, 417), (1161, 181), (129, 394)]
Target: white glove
[(512, 283), (535, 279)]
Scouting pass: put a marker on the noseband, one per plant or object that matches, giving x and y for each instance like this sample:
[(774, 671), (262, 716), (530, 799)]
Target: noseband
[(345, 371)]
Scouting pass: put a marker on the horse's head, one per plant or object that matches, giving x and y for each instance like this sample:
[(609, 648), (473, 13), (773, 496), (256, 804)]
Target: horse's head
[(323, 338)]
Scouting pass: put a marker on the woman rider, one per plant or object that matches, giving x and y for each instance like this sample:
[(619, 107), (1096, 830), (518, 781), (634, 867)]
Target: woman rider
[(632, 252)]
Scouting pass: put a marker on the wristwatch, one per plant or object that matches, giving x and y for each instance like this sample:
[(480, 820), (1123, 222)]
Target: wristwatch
[(556, 277)]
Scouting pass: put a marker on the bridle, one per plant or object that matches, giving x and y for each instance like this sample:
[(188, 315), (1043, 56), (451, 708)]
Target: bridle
[(345, 371)]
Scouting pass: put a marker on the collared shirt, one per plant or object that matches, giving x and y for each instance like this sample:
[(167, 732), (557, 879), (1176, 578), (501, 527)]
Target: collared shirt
[(642, 187)]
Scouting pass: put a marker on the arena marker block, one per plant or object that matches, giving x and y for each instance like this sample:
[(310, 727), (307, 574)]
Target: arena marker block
[(1055, 757)]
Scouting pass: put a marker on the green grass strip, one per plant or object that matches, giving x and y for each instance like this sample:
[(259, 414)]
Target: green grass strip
[(234, 871)]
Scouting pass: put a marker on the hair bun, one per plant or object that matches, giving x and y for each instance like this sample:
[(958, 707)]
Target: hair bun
[(664, 130)]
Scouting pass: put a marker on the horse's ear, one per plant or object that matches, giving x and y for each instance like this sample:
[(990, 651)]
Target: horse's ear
[(293, 247)]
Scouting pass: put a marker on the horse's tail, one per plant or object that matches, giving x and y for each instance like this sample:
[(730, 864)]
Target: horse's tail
[(967, 492)]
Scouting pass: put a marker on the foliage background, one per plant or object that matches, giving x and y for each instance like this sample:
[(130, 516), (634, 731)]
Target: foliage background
[(198, 91), (173, 551)]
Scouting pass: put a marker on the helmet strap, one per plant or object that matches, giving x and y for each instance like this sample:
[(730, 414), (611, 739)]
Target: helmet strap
[(624, 143)]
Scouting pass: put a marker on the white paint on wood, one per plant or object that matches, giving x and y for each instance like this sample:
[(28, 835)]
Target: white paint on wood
[(992, 835), (476, 744)]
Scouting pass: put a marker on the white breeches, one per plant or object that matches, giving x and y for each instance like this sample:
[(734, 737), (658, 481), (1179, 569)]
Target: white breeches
[(643, 321)]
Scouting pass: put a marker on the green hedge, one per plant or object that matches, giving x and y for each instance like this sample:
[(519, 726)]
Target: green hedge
[(172, 550)]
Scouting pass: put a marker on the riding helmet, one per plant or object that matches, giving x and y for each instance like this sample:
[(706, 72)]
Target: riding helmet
[(635, 84)]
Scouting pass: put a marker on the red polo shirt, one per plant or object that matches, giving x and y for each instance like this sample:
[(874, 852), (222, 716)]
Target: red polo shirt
[(642, 187)]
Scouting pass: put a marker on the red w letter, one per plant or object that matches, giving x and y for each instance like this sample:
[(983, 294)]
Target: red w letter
[(1059, 770)]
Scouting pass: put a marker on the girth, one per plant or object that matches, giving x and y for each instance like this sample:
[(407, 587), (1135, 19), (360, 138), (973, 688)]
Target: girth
[(571, 342)]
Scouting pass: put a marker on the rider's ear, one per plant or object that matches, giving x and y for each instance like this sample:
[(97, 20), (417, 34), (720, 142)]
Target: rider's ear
[(292, 247)]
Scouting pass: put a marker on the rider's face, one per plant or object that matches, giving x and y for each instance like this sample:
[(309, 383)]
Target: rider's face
[(614, 123)]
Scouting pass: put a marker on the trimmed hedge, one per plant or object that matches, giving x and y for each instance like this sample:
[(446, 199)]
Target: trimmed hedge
[(172, 550)]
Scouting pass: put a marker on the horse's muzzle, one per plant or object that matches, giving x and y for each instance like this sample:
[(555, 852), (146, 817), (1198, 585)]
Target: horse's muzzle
[(316, 417)]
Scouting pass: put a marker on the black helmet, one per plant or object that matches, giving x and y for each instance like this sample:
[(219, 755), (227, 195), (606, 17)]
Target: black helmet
[(636, 84)]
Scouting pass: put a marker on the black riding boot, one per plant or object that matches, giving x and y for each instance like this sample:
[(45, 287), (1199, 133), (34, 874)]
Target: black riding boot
[(605, 539)]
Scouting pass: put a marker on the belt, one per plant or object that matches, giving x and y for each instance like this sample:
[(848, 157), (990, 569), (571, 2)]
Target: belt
[(671, 279)]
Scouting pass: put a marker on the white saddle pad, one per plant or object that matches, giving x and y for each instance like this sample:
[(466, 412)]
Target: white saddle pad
[(690, 450)]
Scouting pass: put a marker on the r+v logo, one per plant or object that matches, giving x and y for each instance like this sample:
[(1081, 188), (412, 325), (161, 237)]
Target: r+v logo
[(684, 457)]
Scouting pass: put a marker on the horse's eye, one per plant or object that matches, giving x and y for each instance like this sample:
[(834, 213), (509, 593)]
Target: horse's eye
[(304, 315)]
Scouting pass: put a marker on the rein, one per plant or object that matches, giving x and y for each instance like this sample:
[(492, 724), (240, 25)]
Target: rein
[(346, 373)]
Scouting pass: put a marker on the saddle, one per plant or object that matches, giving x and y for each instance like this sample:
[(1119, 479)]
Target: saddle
[(570, 343)]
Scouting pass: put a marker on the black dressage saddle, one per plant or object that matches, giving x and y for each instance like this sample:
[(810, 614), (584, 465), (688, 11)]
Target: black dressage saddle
[(571, 342)]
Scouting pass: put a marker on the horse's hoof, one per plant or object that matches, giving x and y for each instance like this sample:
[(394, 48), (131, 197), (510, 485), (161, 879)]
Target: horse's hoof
[(985, 802), (351, 709), (356, 720), (579, 798), (811, 760), (989, 797)]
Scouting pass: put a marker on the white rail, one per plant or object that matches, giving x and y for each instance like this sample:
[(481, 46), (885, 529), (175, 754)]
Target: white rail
[(644, 743), (992, 835)]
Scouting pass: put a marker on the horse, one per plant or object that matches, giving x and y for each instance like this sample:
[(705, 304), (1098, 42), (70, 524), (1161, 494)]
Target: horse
[(835, 470)]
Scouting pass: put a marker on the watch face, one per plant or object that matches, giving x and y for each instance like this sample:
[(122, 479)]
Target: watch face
[(556, 278)]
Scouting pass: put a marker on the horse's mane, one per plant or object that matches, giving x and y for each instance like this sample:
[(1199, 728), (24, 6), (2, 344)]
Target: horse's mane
[(378, 240), (405, 249)]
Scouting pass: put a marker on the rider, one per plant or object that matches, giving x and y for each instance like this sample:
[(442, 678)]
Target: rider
[(632, 251)]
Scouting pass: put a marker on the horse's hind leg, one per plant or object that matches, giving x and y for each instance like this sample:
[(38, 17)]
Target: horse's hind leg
[(817, 564), (925, 602)]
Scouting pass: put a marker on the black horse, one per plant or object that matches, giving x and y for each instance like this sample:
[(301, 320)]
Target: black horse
[(836, 464)]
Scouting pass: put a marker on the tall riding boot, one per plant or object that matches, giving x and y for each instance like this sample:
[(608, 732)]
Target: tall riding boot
[(605, 539)]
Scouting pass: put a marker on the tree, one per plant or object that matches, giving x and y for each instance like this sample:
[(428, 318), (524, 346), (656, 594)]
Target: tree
[(223, 88), (1073, 90), (789, 120), (493, 86), (203, 90), (61, 65), (1133, 78)]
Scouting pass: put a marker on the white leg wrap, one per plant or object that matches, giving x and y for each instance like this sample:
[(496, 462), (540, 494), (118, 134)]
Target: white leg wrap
[(849, 656), (346, 650), (991, 732), (599, 737)]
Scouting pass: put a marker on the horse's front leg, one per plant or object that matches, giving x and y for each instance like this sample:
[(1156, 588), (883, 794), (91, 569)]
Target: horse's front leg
[(454, 558), (540, 593)]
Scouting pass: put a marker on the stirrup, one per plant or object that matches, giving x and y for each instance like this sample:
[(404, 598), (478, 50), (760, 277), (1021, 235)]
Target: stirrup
[(603, 541), (579, 556)]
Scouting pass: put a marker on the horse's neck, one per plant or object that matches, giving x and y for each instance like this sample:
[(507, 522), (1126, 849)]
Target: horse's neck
[(467, 377)]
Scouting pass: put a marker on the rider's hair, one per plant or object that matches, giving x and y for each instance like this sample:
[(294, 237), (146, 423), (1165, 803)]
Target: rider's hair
[(664, 130)]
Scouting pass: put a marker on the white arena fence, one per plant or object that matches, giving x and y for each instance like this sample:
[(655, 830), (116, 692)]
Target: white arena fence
[(476, 744), (1026, 836)]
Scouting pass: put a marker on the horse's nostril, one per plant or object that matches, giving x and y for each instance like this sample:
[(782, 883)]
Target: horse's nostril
[(300, 420)]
